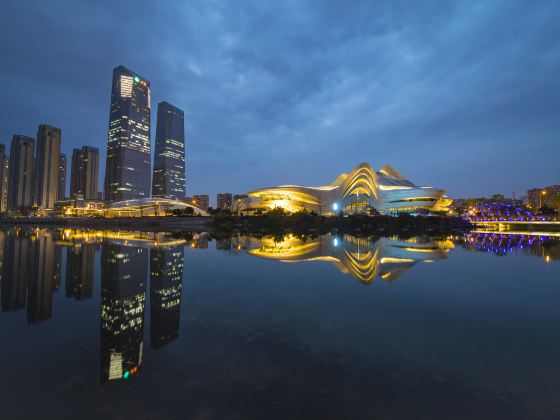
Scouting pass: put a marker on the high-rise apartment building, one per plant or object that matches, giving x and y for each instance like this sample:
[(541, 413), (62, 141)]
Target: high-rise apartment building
[(169, 154), (84, 172), (4, 170), (62, 164), (224, 201), (127, 169), (20, 179), (46, 166), (201, 201)]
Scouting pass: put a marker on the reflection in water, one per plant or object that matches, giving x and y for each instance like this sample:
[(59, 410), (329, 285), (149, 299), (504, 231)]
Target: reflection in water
[(166, 276), (31, 267), (548, 248), (123, 297), (80, 270), (363, 258)]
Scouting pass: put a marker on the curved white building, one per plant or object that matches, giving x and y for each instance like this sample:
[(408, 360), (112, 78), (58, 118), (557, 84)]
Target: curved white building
[(386, 191)]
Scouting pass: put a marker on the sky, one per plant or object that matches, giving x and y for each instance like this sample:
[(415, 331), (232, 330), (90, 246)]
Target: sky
[(459, 95)]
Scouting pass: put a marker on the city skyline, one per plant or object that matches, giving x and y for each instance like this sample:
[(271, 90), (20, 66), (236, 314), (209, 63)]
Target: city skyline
[(256, 103)]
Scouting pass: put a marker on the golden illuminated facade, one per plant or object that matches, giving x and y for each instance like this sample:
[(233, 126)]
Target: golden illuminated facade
[(360, 191), (363, 258)]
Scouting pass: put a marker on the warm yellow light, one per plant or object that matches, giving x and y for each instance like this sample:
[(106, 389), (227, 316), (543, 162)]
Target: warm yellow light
[(548, 258)]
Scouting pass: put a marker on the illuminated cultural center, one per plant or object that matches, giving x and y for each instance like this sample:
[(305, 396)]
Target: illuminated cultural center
[(359, 191)]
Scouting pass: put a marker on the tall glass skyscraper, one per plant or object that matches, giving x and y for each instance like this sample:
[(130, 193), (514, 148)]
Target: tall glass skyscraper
[(127, 169), (169, 159)]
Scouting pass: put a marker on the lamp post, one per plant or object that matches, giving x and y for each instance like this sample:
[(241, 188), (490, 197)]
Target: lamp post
[(543, 192)]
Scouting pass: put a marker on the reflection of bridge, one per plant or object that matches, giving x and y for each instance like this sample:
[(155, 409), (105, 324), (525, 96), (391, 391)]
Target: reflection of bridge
[(364, 259), (545, 246)]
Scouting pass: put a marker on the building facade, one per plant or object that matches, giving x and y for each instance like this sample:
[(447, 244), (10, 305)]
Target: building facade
[(543, 197), (360, 191), (224, 201), (46, 166), (62, 164), (20, 178), (4, 171), (84, 173), (127, 170), (202, 201), (169, 155)]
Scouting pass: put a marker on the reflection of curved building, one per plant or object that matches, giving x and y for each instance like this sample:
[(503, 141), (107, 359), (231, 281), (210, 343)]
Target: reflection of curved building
[(364, 259), (148, 207), (386, 191)]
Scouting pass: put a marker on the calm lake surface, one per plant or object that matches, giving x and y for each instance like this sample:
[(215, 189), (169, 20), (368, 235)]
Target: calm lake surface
[(141, 325)]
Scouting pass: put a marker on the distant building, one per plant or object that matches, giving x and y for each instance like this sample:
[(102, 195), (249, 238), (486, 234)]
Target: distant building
[(62, 177), (127, 169), (169, 154), (46, 166), (201, 201), (543, 197), (224, 201), (4, 171), (20, 179), (84, 173), (240, 197)]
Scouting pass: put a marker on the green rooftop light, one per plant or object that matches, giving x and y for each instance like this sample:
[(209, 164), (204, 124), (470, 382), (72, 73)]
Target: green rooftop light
[(126, 374), (136, 79)]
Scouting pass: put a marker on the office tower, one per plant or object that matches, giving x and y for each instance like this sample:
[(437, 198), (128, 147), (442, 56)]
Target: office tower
[(169, 154), (224, 201), (123, 296), (84, 173), (4, 170), (201, 201), (127, 169), (62, 177), (79, 271), (20, 178), (166, 277), (17, 250), (46, 166)]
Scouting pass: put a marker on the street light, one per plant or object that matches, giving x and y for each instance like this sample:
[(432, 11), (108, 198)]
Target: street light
[(543, 192)]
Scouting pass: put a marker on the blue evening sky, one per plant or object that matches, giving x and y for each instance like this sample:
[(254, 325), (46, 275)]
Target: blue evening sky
[(462, 95)]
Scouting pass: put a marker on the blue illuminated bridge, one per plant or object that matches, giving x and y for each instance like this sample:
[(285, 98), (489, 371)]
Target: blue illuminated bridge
[(503, 216)]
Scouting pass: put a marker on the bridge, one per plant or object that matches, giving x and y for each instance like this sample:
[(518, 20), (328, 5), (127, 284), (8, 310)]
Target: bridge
[(507, 217)]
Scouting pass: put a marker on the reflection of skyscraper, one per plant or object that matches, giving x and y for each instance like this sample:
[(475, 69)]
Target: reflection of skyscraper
[(165, 294), (79, 271), (20, 180), (43, 277), (127, 171), (4, 168), (123, 296), (47, 164), (169, 155), (17, 250)]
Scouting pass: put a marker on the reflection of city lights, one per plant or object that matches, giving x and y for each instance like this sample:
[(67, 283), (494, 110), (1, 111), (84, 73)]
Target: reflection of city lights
[(335, 242), (548, 258), (126, 374)]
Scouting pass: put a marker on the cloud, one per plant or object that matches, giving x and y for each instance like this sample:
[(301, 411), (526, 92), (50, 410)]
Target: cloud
[(448, 92)]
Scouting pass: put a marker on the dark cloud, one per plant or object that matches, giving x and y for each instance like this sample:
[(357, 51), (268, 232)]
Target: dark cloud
[(462, 95)]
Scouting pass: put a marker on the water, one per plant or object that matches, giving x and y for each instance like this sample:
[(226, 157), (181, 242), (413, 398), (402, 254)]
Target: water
[(130, 325)]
